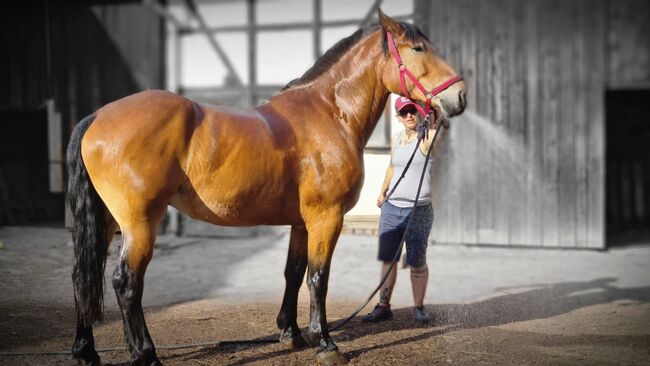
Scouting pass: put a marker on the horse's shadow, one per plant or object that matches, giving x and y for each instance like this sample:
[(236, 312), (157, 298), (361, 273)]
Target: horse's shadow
[(538, 302)]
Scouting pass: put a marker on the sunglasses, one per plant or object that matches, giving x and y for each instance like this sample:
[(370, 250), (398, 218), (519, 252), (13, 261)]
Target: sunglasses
[(407, 110)]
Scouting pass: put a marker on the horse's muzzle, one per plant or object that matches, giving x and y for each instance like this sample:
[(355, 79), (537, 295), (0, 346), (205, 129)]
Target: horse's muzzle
[(462, 98), (454, 101)]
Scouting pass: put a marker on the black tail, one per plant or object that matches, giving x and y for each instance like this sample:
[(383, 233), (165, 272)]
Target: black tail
[(89, 232)]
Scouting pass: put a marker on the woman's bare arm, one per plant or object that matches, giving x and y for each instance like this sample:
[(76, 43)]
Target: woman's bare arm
[(385, 186)]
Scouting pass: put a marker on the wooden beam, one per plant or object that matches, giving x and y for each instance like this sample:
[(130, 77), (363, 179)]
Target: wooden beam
[(371, 12), (252, 54), (628, 85), (215, 93), (163, 12), (203, 27), (288, 26), (54, 147), (178, 61), (316, 27), (421, 16)]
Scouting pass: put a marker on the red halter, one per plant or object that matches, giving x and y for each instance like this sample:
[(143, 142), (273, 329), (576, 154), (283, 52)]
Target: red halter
[(403, 70)]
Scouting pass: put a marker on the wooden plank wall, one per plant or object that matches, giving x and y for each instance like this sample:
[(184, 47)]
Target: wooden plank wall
[(103, 53), (628, 131), (81, 56), (24, 69), (525, 164), (72, 57), (628, 44)]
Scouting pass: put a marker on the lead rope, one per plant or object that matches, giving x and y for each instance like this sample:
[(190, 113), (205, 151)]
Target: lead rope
[(415, 203), (166, 347)]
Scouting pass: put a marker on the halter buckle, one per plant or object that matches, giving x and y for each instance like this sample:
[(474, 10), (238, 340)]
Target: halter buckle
[(401, 67)]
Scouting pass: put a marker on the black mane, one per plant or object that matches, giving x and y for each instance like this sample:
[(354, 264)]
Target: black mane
[(341, 47)]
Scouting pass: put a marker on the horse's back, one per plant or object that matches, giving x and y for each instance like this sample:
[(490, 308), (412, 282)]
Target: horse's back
[(140, 117), (218, 164)]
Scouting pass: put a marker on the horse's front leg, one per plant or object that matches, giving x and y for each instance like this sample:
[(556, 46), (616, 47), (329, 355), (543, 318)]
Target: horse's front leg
[(294, 274), (324, 230)]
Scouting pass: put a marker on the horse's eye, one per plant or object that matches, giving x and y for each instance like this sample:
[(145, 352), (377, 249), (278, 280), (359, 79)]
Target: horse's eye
[(417, 49)]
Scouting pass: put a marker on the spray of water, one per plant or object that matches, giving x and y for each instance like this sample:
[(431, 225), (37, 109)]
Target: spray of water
[(498, 150), (484, 161)]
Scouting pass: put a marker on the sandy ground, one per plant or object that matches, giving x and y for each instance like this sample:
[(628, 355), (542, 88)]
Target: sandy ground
[(493, 306)]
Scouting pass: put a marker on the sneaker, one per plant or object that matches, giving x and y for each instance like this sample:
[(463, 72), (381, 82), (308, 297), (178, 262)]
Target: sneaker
[(380, 313), (421, 317)]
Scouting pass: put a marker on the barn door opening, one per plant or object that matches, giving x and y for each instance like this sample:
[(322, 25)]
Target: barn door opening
[(627, 167), (25, 195)]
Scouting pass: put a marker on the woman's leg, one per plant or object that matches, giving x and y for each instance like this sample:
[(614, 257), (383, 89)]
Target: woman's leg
[(389, 240), (419, 280), (416, 245), (387, 288), (382, 309), (390, 236)]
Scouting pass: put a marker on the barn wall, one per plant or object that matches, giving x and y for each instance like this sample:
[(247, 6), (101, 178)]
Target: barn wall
[(24, 72), (628, 44), (82, 56), (103, 53), (525, 164), (628, 124), (79, 57)]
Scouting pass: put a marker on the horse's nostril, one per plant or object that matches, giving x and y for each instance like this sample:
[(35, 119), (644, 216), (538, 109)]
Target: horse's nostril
[(462, 99)]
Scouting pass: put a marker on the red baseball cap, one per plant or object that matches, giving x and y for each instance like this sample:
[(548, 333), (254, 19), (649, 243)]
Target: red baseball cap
[(402, 102)]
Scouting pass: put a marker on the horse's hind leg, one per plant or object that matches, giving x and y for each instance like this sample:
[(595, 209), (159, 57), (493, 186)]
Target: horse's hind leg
[(83, 348), (294, 274), (128, 281)]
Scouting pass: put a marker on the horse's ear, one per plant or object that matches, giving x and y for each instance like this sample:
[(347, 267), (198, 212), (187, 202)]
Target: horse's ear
[(387, 23)]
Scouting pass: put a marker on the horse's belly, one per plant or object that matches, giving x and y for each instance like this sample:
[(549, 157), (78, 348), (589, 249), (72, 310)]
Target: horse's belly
[(240, 208)]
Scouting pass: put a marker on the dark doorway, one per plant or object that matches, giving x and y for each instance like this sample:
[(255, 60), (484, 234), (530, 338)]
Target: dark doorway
[(25, 196), (628, 167)]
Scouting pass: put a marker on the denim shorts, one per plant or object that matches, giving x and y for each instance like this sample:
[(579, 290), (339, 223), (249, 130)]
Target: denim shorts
[(392, 224)]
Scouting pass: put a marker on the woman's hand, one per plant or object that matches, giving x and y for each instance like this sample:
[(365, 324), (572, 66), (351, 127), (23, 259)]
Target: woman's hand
[(381, 199), (442, 121), (439, 117)]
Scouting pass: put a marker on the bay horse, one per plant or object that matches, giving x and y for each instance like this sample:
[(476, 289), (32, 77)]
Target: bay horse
[(295, 160)]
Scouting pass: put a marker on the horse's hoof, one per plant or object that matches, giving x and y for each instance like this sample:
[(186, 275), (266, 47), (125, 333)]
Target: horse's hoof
[(154, 362), (96, 362), (146, 357), (149, 363), (86, 356), (330, 358), (311, 338), (295, 342)]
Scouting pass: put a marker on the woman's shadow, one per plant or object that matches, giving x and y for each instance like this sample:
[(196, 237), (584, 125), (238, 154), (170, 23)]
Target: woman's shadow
[(542, 301)]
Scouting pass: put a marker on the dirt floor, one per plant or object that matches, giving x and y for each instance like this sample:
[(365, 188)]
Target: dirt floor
[(525, 307)]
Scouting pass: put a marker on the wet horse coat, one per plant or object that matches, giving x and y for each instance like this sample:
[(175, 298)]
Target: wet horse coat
[(295, 160)]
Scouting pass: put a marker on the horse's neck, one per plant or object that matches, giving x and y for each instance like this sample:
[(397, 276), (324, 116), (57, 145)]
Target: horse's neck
[(360, 97), (353, 89)]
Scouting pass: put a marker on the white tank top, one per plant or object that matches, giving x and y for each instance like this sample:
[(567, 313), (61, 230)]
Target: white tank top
[(404, 195)]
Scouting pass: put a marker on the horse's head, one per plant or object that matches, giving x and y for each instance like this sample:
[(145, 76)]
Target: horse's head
[(418, 58)]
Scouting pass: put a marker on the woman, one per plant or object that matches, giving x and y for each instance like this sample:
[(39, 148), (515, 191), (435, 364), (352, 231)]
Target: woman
[(396, 212)]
